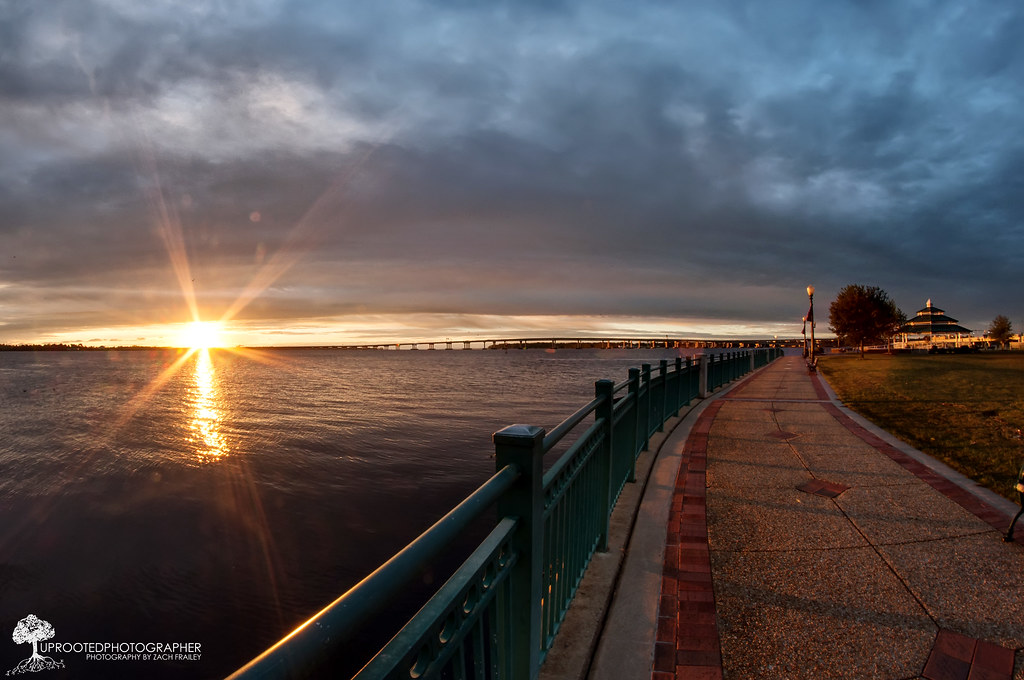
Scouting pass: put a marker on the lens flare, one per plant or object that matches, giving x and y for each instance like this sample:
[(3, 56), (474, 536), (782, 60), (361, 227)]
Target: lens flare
[(201, 335)]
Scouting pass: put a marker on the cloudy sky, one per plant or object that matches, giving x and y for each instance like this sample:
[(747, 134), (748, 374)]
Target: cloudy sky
[(341, 171)]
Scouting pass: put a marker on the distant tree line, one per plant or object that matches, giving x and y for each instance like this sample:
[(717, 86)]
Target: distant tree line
[(49, 347), (64, 347)]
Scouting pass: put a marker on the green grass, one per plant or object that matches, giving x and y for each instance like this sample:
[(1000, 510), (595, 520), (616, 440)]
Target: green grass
[(965, 410)]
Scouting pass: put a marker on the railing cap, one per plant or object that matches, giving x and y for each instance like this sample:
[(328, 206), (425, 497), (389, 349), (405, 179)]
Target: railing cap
[(518, 435)]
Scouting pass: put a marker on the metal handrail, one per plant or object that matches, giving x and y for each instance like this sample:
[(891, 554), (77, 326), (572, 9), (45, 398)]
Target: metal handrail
[(426, 620), (568, 424), (297, 655)]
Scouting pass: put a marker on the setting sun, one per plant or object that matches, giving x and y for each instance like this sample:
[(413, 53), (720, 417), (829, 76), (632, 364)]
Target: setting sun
[(201, 334)]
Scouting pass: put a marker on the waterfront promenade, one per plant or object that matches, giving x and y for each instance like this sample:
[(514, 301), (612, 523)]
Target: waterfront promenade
[(781, 536)]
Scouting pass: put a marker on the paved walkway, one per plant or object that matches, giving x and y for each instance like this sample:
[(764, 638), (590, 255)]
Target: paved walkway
[(803, 543)]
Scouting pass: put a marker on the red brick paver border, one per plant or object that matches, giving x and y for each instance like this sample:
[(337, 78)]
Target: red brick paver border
[(819, 389), (687, 645), (958, 657), (820, 487)]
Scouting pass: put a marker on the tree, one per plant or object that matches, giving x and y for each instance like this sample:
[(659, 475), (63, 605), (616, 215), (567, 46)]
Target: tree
[(33, 629), (1000, 330), (864, 314)]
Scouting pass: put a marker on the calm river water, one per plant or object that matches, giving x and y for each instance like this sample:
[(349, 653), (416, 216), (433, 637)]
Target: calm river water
[(221, 499)]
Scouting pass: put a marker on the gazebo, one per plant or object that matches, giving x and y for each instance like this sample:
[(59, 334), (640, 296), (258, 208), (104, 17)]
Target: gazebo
[(931, 326)]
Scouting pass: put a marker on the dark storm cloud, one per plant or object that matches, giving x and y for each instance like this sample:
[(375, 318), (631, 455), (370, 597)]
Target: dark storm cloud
[(604, 158)]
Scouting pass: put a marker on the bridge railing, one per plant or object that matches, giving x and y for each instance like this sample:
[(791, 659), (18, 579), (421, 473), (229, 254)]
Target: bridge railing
[(498, 615)]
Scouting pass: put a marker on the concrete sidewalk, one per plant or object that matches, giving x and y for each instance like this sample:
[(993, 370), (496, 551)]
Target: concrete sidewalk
[(802, 542)]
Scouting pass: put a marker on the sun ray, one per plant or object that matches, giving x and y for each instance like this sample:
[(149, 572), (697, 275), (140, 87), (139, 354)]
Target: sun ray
[(168, 226), (290, 252), (140, 399)]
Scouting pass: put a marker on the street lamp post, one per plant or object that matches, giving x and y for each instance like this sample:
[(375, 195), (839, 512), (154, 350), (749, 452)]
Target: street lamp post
[(810, 317)]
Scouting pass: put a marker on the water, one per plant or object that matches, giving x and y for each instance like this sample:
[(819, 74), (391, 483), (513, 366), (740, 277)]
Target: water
[(222, 499)]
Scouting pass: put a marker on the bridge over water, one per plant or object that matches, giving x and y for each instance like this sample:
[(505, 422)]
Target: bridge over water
[(571, 343)]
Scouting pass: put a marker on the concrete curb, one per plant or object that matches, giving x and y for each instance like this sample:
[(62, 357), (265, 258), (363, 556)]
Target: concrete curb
[(625, 643), (576, 643)]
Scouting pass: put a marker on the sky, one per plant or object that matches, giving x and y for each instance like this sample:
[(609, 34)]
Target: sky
[(340, 172)]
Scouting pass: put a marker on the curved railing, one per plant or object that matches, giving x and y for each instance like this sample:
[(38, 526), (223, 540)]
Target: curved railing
[(498, 615)]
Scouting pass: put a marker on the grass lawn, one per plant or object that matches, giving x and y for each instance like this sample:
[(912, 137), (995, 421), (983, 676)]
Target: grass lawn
[(964, 409)]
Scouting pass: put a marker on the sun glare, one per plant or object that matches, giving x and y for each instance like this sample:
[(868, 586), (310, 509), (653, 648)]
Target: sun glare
[(201, 335)]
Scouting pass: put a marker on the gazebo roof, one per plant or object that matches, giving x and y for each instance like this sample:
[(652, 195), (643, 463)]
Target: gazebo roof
[(929, 308), (932, 320), (934, 328)]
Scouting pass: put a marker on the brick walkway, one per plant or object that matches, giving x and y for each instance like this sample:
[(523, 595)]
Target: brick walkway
[(801, 544)]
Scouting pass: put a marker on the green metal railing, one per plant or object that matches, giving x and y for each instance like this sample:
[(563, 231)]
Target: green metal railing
[(498, 615)]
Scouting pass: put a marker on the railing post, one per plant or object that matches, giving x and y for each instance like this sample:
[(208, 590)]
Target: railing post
[(662, 407), (645, 377), (692, 378), (523, 447), (634, 395), (679, 387), (702, 386), (752, 365), (605, 391)]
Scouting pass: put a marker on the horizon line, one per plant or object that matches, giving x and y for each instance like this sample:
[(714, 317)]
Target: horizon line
[(656, 342)]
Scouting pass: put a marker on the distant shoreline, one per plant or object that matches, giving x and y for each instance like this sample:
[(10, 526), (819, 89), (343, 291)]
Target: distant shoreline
[(539, 343)]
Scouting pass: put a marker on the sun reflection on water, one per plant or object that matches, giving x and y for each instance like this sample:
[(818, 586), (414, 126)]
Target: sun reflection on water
[(206, 436)]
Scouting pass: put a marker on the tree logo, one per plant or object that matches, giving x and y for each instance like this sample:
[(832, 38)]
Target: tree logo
[(33, 629)]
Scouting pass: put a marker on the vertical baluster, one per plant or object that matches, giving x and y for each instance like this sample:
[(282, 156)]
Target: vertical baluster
[(551, 527), (458, 663), (478, 647)]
